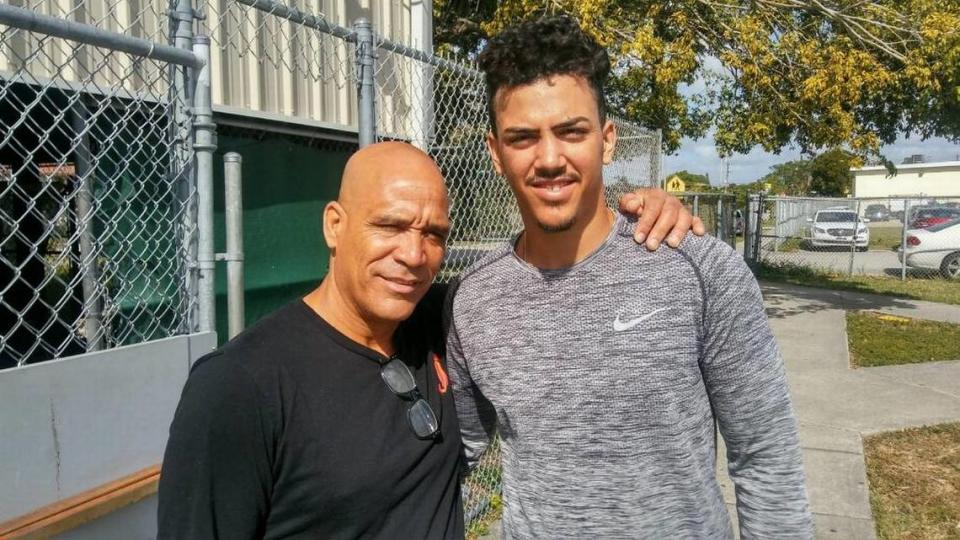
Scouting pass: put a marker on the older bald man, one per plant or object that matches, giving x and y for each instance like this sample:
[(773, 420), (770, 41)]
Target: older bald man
[(331, 417)]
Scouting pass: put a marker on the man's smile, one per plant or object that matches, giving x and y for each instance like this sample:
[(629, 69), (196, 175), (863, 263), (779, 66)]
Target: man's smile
[(553, 190), (401, 285)]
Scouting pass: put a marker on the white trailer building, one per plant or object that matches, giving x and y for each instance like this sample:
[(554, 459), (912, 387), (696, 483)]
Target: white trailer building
[(938, 179)]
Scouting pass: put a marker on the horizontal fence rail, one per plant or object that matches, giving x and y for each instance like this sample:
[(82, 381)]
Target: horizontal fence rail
[(31, 21)]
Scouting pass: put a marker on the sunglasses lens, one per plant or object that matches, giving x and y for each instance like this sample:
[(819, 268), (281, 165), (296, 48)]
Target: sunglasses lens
[(398, 377), (422, 419)]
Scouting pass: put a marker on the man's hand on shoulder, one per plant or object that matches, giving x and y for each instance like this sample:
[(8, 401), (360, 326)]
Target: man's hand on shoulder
[(661, 215)]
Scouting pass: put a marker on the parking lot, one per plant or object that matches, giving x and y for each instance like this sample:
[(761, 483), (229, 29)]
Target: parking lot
[(791, 226)]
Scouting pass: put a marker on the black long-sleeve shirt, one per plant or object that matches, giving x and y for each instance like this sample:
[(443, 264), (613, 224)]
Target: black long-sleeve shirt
[(288, 431)]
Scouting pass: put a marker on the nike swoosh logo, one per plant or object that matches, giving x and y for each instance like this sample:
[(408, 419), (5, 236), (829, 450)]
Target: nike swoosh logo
[(619, 326)]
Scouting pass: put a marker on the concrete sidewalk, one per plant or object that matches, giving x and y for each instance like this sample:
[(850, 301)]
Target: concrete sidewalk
[(836, 404)]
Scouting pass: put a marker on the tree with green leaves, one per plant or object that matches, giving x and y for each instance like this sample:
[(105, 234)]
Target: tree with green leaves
[(814, 73), (790, 178), (830, 174)]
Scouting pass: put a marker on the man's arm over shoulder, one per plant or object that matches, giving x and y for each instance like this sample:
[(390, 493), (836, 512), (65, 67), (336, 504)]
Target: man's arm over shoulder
[(477, 416), (745, 377), (216, 476)]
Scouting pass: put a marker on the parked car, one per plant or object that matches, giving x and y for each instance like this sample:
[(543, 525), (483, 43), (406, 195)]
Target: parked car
[(839, 227), (935, 248), (877, 212), (925, 217)]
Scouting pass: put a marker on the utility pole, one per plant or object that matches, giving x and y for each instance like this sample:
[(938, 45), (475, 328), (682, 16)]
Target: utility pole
[(725, 172)]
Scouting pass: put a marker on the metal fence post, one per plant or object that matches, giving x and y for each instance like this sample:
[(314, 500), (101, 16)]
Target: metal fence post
[(777, 224), (748, 230), (366, 121), (853, 239), (758, 237), (718, 226), (233, 213), (903, 239), (92, 323), (656, 163), (183, 82), (204, 146)]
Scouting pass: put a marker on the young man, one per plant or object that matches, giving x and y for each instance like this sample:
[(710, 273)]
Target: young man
[(603, 365), (331, 417)]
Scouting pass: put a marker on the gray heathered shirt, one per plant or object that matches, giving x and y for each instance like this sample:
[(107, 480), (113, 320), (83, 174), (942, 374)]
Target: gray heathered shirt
[(602, 377)]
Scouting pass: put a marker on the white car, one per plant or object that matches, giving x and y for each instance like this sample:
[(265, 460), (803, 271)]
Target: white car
[(838, 227), (935, 248)]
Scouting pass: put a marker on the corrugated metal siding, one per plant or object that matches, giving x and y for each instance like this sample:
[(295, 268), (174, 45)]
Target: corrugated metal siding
[(260, 63), (272, 66), (45, 59)]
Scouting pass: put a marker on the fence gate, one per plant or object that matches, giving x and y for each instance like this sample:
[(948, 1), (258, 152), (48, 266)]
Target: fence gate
[(97, 201), (104, 133)]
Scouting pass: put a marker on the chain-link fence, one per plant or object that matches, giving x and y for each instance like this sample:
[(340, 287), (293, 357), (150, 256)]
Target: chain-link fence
[(106, 222), (95, 202), (717, 212), (858, 236)]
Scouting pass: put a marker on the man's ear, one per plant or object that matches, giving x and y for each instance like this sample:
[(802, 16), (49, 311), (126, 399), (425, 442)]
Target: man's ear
[(492, 149), (334, 220), (609, 132)]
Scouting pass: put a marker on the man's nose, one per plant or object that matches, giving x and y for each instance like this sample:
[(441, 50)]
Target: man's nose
[(550, 159), (411, 251)]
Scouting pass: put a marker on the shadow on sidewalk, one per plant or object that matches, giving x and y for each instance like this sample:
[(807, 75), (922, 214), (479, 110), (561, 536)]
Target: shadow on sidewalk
[(784, 300)]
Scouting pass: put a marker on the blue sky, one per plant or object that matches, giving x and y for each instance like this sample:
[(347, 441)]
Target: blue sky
[(700, 157)]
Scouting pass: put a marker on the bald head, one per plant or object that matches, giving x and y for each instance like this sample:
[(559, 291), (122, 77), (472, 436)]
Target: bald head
[(386, 233), (372, 167)]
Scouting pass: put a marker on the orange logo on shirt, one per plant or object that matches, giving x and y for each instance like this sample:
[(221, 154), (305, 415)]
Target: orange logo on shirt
[(441, 374)]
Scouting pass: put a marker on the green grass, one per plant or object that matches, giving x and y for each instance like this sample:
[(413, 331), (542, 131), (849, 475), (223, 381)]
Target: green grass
[(933, 289), (481, 527), (790, 245), (885, 237), (914, 477), (878, 339)]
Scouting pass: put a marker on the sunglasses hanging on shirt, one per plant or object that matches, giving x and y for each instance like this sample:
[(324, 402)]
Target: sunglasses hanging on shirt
[(420, 414)]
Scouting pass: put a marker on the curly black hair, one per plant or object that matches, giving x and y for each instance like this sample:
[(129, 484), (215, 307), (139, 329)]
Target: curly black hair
[(536, 49)]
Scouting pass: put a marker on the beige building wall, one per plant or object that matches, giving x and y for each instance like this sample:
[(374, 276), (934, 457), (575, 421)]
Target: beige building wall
[(43, 61), (272, 68), (261, 65), (921, 179)]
